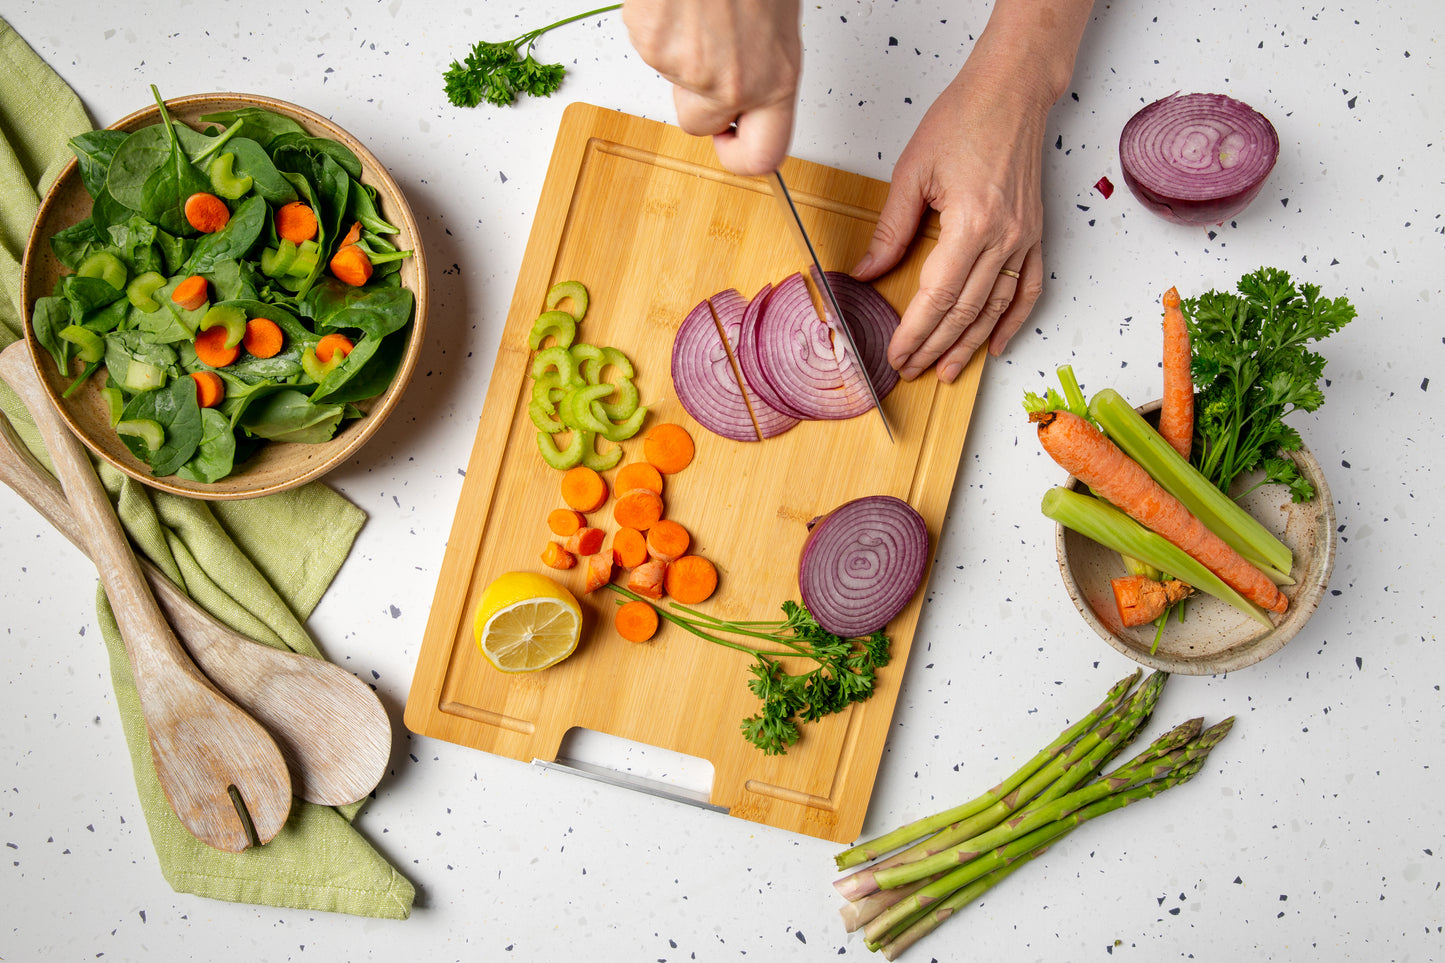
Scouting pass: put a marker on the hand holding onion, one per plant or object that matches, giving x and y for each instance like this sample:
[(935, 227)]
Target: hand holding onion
[(734, 66)]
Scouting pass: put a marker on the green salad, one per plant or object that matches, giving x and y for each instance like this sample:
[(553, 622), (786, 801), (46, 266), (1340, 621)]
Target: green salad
[(233, 285)]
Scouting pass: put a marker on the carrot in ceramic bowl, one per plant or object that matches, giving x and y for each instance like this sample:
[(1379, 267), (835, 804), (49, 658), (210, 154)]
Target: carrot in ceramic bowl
[(211, 347), (1176, 412), (295, 222), (263, 338), (206, 213), (210, 389)]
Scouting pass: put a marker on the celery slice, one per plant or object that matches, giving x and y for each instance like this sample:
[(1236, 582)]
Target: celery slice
[(573, 291), (559, 324), (1096, 519), (1219, 513)]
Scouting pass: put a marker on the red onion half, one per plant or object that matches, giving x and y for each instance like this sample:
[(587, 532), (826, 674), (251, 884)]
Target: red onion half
[(1197, 158), (862, 563)]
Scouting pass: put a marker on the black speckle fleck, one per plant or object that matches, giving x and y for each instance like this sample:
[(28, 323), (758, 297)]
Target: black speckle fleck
[(1359, 662), (892, 41), (799, 935), (395, 612)]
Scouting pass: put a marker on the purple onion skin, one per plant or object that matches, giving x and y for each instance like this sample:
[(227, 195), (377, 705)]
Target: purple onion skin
[(1211, 213)]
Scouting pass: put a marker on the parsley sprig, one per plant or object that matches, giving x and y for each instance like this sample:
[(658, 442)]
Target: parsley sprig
[(844, 671), (1253, 367), (498, 72)]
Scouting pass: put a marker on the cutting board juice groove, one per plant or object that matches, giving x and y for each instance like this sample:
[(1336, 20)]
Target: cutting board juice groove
[(643, 215)]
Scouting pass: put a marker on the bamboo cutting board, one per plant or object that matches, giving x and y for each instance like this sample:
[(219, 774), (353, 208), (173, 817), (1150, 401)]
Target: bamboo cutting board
[(643, 215)]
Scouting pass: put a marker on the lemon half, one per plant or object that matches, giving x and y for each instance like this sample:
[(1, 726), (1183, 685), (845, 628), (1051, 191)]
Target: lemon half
[(526, 622)]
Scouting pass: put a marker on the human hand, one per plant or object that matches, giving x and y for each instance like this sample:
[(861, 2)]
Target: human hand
[(734, 66), (976, 158)]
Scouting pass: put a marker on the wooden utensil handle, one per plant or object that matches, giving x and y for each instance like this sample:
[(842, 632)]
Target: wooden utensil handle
[(149, 641)]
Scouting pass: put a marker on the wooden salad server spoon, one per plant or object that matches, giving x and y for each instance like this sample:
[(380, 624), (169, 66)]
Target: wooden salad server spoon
[(329, 725), (203, 746)]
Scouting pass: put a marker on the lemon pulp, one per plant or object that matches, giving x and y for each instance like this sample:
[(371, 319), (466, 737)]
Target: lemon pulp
[(526, 622)]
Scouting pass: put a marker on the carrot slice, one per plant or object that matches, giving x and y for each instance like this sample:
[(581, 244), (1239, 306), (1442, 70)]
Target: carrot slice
[(667, 540), (351, 266), (636, 621), (585, 541), (639, 509), (295, 222), (207, 213), (646, 579), (210, 389), (630, 546), (564, 521), (263, 338), (668, 447), (583, 489), (690, 580), (599, 571), (555, 556), (211, 348), (190, 293), (638, 474)]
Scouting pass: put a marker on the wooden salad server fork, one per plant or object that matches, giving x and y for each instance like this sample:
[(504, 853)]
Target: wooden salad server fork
[(329, 725), (203, 746)]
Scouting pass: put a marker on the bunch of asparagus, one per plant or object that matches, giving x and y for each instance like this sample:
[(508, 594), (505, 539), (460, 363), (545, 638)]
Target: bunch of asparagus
[(960, 853)]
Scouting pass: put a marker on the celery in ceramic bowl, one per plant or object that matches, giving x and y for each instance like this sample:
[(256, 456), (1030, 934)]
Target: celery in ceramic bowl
[(282, 362), (1213, 637)]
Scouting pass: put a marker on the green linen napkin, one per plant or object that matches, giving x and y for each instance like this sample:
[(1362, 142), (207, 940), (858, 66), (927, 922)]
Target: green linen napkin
[(223, 554)]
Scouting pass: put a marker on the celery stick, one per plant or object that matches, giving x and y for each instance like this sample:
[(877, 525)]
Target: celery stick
[(1096, 519), (1219, 513)]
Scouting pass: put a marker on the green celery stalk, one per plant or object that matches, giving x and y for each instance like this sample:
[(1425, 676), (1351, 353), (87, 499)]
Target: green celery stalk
[(1096, 519), (1219, 513)]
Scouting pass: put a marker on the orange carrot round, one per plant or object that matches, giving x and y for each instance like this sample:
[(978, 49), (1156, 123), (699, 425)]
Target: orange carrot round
[(206, 213), (690, 579), (668, 447), (638, 509), (583, 489), (263, 338), (564, 521), (1084, 452), (351, 265), (295, 222), (555, 556), (191, 293), (330, 344), (646, 579), (638, 474), (210, 389), (630, 546), (599, 571), (211, 348), (667, 540), (636, 621), (585, 541), (1176, 412)]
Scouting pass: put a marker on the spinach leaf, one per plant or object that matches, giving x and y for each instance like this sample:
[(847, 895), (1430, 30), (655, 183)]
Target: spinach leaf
[(168, 187), (125, 348), (74, 244), (93, 152), (234, 280), (141, 154), (377, 311), (51, 314), (336, 150), (232, 241), (289, 415), (253, 161), (370, 378), (177, 411), (362, 201), (86, 295), (328, 186), (216, 454), (260, 125), (240, 395), (354, 364)]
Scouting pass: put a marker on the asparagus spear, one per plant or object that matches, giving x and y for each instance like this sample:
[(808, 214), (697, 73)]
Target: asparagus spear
[(1169, 753), (892, 921), (1068, 767), (903, 835), (920, 926)]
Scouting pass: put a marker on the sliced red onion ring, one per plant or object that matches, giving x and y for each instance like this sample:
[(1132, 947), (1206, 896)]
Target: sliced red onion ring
[(702, 373), (872, 320), (1197, 158), (746, 350), (862, 563)]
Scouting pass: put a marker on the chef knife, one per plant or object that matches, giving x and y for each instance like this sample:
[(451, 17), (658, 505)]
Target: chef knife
[(805, 244)]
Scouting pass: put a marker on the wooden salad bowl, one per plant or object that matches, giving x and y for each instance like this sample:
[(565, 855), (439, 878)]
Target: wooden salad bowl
[(276, 466), (1214, 637)]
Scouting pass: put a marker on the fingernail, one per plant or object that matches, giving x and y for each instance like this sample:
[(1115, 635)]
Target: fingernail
[(864, 264), (949, 373)]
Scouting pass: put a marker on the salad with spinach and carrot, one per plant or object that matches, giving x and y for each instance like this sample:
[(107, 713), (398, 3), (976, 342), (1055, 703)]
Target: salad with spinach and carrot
[(232, 285)]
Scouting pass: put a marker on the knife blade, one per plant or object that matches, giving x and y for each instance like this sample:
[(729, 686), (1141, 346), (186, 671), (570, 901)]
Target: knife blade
[(805, 244)]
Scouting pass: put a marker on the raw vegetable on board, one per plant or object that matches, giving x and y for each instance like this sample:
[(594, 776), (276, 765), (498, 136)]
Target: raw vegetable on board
[(179, 271), (928, 870)]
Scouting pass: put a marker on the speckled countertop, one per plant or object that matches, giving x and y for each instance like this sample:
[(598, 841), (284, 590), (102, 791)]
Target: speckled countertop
[(1316, 831)]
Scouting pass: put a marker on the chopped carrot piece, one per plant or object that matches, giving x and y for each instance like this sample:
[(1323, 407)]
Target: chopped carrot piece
[(206, 213), (636, 621), (630, 546), (690, 580), (191, 293), (352, 236), (330, 344), (585, 541), (668, 447), (564, 521), (210, 389), (351, 265), (599, 571), (638, 509), (646, 579), (263, 338), (638, 474), (211, 348), (1141, 599), (583, 489), (667, 540), (555, 556), (295, 222)]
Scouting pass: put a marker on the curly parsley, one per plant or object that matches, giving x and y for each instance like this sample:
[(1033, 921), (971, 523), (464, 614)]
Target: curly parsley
[(498, 72)]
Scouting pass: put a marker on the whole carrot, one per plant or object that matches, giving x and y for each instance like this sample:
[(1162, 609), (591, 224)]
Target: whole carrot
[(1176, 412), (1084, 452)]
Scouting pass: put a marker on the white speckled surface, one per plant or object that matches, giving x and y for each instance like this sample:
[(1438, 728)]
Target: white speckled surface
[(1315, 832)]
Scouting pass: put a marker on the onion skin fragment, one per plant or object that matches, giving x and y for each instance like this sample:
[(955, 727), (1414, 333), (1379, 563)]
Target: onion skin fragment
[(1197, 159)]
